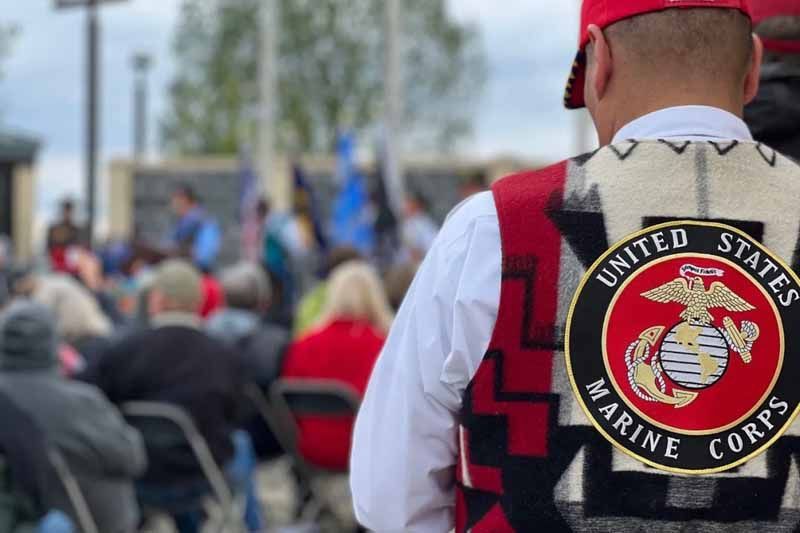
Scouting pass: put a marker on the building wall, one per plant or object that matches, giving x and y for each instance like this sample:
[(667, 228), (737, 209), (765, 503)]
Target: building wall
[(24, 187)]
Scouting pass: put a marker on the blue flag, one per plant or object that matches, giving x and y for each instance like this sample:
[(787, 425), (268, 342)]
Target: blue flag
[(352, 214)]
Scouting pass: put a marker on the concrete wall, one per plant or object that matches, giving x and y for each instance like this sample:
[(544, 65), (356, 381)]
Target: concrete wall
[(24, 187)]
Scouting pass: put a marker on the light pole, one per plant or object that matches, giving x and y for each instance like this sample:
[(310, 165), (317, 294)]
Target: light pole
[(141, 63), (92, 106), (394, 104)]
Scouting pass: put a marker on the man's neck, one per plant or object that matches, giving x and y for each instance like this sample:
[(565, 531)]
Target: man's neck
[(641, 108), (688, 123)]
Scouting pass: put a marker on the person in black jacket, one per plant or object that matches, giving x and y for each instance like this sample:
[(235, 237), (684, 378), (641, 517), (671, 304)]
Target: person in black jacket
[(175, 362), (774, 116)]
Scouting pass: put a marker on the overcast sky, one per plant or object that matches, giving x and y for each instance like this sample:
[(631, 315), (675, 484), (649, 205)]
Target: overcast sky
[(530, 45)]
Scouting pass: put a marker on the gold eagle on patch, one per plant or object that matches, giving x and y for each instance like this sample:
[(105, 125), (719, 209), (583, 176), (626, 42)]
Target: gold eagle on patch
[(697, 299)]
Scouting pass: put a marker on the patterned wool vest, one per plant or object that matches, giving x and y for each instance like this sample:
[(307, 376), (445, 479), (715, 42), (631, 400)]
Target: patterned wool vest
[(529, 459)]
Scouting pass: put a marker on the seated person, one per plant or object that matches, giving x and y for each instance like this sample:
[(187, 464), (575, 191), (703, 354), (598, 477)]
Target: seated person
[(103, 452), (260, 345), (80, 320), (175, 362), (29, 486), (240, 325), (344, 348)]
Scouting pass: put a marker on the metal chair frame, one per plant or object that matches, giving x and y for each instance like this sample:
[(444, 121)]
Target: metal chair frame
[(77, 500), (278, 414), (231, 515)]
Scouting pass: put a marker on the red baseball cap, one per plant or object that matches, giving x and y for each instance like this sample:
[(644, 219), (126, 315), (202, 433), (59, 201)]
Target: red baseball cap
[(604, 13), (766, 9)]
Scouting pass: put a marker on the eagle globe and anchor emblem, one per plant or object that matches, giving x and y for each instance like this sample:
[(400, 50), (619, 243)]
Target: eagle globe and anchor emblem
[(681, 346), (695, 353)]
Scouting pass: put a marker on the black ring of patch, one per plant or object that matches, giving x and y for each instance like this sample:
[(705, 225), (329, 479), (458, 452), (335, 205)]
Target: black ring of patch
[(585, 364)]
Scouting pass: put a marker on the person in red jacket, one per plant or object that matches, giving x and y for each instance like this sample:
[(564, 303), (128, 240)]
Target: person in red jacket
[(344, 347)]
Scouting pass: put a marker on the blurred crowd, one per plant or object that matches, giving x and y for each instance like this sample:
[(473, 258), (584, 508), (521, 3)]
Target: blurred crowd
[(97, 332), (145, 369)]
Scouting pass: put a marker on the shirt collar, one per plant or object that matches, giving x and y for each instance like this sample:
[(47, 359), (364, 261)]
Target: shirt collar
[(691, 123), (176, 319)]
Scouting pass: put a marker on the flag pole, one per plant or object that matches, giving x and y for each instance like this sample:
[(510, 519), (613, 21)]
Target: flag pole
[(394, 98), (269, 24)]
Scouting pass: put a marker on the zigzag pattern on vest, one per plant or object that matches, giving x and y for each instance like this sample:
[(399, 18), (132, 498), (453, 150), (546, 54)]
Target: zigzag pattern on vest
[(529, 459)]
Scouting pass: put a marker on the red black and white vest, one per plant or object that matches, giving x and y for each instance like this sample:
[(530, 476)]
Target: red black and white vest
[(529, 459)]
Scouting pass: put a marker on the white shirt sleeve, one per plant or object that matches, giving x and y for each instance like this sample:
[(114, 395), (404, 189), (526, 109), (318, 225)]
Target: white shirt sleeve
[(404, 444)]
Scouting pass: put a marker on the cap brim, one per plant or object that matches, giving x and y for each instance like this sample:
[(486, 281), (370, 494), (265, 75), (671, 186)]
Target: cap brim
[(573, 96)]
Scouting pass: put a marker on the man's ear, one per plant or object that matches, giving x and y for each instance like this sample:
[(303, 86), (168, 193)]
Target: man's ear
[(753, 79), (602, 66)]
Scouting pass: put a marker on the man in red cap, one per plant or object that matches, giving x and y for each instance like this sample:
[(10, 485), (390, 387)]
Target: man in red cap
[(475, 420), (774, 116)]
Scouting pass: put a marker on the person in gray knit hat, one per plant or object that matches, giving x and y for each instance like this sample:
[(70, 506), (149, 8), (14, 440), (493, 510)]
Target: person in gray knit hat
[(104, 452)]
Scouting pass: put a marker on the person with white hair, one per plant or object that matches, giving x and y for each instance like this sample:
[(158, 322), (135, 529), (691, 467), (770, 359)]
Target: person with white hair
[(80, 321), (343, 347)]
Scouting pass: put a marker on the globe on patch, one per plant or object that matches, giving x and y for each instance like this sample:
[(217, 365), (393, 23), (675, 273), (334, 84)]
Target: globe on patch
[(694, 356)]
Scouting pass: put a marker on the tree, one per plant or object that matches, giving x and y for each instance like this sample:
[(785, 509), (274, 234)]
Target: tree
[(330, 73)]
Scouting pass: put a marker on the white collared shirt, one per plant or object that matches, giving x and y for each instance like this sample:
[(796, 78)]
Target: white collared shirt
[(404, 446)]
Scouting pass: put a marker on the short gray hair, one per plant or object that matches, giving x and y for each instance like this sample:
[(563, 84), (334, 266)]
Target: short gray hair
[(246, 286), (180, 284)]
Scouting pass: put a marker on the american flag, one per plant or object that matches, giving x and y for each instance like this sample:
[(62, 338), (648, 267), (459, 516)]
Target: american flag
[(252, 230)]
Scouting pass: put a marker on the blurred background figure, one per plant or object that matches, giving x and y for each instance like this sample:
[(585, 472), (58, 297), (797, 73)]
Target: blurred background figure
[(343, 348), (419, 228), (62, 237), (80, 321), (473, 184), (397, 282), (774, 116), (104, 453), (286, 253), (312, 305), (6, 263), (189, 221), (29, 485), (261, 345), (175, 362), (195, 235)]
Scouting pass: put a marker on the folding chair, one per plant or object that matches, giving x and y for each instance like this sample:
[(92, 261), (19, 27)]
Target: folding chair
[(157, 423), (75, 496), (291, 398)]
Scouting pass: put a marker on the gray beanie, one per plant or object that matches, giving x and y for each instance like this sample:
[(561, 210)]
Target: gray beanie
[(28, 338)]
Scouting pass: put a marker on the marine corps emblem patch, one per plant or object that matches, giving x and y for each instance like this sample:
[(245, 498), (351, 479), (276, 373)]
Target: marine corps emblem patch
[(682, 347)]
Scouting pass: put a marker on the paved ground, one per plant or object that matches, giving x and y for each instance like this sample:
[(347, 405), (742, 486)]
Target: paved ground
[(277, 493)]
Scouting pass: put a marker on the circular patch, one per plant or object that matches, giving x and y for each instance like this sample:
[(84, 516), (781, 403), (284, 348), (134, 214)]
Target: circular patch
[(679, 346)]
